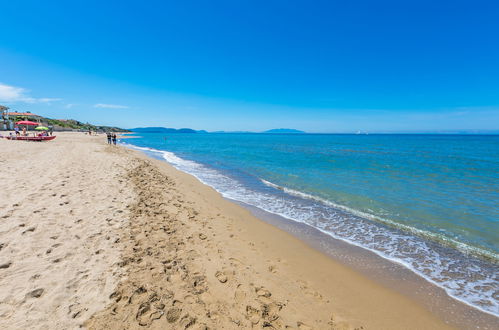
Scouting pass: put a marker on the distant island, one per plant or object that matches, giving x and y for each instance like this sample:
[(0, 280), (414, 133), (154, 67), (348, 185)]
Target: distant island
[(284, 131), (167, 130)]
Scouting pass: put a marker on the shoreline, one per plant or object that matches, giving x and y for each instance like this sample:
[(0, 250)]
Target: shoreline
[(384, 271), (315, 267), (473, 313), (184, 249)]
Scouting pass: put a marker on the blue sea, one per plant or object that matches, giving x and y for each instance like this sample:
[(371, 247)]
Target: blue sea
[(427, 202)]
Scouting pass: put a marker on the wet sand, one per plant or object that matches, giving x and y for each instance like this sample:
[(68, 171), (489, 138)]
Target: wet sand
[(105, 238), (387, 273)]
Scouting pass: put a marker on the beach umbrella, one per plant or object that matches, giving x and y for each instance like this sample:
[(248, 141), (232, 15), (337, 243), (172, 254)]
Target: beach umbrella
[(42, 128), (27, 123)]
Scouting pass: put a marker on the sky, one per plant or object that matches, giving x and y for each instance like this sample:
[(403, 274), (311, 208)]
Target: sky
[(318, 66)]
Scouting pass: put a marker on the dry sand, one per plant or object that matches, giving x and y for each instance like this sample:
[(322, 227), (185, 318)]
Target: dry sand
[(105, 238)]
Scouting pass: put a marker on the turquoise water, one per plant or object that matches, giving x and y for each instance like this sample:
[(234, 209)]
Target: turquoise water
[(429, 202)]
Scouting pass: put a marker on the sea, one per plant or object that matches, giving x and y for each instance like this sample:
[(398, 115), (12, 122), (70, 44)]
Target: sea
[(427, 202)]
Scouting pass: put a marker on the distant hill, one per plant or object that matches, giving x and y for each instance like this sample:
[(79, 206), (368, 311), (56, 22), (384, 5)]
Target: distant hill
[(284, 131), (165, 130), (71, 124)]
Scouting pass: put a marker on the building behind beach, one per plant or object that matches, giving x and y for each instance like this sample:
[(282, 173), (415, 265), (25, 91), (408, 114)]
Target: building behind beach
[(10, 118)]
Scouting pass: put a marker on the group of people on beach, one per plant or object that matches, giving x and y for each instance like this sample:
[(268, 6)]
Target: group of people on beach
[(111, 138), (25, 132), (18, 133)]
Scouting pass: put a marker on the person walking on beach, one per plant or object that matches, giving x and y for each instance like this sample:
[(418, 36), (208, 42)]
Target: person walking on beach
[(108, 138), (114, 138), (16, 129)]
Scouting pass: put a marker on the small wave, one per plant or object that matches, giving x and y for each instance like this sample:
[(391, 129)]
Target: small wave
[(465, 248)]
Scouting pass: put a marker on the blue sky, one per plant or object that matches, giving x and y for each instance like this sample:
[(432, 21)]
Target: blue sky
[(320, 66)]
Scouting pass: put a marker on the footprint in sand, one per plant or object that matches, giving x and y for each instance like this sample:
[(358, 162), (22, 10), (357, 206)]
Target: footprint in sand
[(29, 230), (187, 321), (35, 293), (74, 314), (173, 314), (145, 316), (5, 265), (221, 277), (35, 277), (235, 262), (303, 326), (263, 292), (239, 295), (253, 314)]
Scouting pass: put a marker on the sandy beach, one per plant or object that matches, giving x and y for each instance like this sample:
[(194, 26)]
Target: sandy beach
[(102, 237)]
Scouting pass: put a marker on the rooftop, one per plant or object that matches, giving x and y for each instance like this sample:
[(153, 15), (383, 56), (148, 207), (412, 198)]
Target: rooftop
[(29, 114)]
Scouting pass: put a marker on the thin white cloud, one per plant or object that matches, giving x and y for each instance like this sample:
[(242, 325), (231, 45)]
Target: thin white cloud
[(13, 94), (10, 93), (69, 105), (110, 106), (48, 99)]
